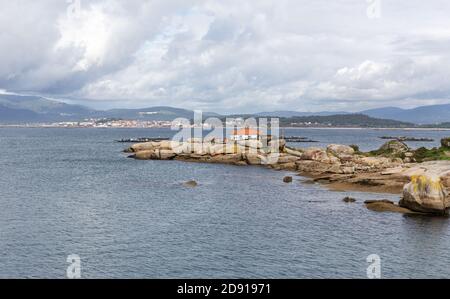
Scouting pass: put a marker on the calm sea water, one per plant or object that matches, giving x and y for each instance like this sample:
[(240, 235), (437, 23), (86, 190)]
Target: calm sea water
[(72, 191)]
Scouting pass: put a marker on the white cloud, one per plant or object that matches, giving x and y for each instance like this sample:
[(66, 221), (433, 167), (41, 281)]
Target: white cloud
[(229, 55)]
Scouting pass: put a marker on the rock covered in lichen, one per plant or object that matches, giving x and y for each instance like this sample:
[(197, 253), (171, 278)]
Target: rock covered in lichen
[(426, 193)]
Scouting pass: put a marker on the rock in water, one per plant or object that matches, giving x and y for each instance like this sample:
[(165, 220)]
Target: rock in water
[(386, 206), (166, 154), (191, 184), (287, 179), (349, 199), (425, 193), (145, 155)]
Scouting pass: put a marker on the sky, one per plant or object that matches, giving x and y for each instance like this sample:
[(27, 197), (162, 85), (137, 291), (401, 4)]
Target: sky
[(228, 56)]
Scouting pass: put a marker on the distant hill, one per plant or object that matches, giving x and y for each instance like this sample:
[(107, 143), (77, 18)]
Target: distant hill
[(20, 109), (296, 113), (12, 115), (162, 113), (15, 109), (433, 114), (343, 120), (424, 115)]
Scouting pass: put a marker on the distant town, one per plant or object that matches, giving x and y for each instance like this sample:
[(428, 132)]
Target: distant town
[(120, 123), (99, 123), (329, 121)]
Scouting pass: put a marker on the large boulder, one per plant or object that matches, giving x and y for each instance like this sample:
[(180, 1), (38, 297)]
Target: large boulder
[(166, 154), (199, 149), (340, 150), (145, 155), (426, 193), (183, 148), (438, 168), (254, 159), (314, 154), (226, 159), (307, 166), (376, 162), (216, 149), (142, 147), (386, 206), (394, 147), (256, 144), (168, 144), (284, 158), (293, 151), (285, 166)]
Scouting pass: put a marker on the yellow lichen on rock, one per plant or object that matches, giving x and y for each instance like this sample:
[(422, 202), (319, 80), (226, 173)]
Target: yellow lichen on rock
[(425, 193), (425, 185)]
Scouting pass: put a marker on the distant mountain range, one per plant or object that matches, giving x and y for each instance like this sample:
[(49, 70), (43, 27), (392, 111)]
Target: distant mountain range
[(433, 114), (14, 108), (297, 114), (21, 109), (343, 120)]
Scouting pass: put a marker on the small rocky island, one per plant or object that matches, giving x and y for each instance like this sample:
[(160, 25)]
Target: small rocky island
[(422, 175)]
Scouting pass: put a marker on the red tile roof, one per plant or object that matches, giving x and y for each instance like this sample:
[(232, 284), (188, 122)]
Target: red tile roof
[(246, 131)]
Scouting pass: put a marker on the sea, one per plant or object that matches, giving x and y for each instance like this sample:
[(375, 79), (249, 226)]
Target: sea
[(73, 192)]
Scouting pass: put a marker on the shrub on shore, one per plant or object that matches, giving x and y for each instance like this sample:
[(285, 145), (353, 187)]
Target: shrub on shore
[(423, 154)]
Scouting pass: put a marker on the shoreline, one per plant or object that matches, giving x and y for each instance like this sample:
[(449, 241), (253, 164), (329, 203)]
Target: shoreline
[(341, 186), (393, 170), (290, 128), (363, 128)]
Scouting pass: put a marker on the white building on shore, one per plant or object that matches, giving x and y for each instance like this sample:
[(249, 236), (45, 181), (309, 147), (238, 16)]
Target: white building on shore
[(245, 134)]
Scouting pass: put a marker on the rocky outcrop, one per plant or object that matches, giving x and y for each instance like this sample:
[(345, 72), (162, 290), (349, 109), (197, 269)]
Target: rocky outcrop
[(145, 155), (386, 206), (293, 151), (335, 159), (426, 193), (377, 162), (428, 190), (394, 147), (340, 151), (425, 185)]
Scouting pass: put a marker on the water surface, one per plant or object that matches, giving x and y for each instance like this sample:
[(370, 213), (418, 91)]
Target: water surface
[(72, 191)]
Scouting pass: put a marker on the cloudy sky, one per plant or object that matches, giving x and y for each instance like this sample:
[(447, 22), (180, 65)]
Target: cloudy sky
[(228, 56)]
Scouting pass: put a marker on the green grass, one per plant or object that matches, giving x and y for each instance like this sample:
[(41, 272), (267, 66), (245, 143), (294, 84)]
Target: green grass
[(423, 154), (385, 153)]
